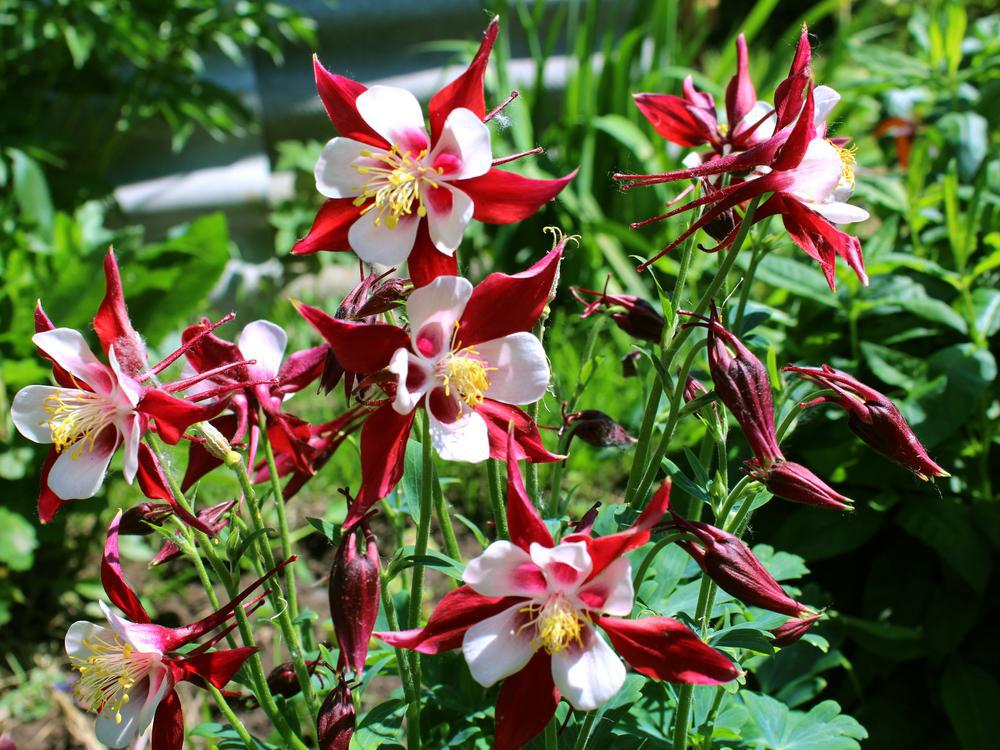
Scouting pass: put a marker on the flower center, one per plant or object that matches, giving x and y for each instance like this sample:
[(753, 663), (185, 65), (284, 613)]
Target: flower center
[(467, 374), (109, 672), (77, 417), (558, 625), (395, 184), (847, 162)]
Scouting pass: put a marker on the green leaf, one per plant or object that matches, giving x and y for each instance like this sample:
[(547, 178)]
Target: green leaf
[(17, 540), (773, 726), (750, 639), (330, 530), (31, 191), (439, 561), (796, 278), (892, 366), (949, 530), (987, 306), (970, 695), (628, 134), (967, 133), (966, 372)]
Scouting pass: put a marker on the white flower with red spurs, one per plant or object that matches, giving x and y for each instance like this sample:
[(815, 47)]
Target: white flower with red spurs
[(532, 613)]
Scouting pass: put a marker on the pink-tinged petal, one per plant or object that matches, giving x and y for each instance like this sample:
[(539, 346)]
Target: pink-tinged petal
[(79, 471), (215, 667), (527, 443), (459, 610), (383, 448), (665, 649), (70, 351), (131, 431), (339, 95), (521, 374), (174, 415), (127, 392), (394, 114), (839, 213), (168, 724), (504, 197), (135, 716), (817, 174), (48, 501), (359, 347), (740, 93), (564, 566), (588, 676), (465, 439), (79, 634), (113, 579), (28, 411), (336, 170), (112, 323), (154, 485), (449, 212), (527, 702), (414, 378), (375, 241), (504, 569), (426, 262), (525, 524), (756, 126), (42, 324), (503, 304), (498, 646), (466, 91), (433, 311), (264, 342), (672, 118), (463, 150), (610, 591), (330, 227), (826, 99)]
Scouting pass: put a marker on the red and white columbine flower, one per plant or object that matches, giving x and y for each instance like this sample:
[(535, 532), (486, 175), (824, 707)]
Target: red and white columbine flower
[(399, 191), (531, 613), (129, 666), (468, 358)]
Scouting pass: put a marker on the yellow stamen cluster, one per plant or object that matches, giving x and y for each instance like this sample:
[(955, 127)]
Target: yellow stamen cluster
[(467, 374), (847, 162), (108, 673), (77, 417), (558, 625), (396, 186)]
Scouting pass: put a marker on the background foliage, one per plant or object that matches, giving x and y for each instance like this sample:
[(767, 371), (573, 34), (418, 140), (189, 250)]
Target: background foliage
[(908, 650)]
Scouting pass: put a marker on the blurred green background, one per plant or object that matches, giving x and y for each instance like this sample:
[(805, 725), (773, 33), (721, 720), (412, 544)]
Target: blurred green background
[(185, 134)]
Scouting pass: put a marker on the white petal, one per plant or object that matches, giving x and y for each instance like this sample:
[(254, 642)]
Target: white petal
[(136, 715), (70, 351), (264, 342), (466, 439), (130, 390), (522, 370), (588, 677), (463, 148), (377, 243), (79, 472), (565, 566), (448, 226), (336, 176), (504, 569), (433, 311), (766, 128), (80, 631), (817, 175), (839, 213), (496, 647), (824, 100), (412, 372), (612, 587), (28, 411), (132, 436), (394, 114)]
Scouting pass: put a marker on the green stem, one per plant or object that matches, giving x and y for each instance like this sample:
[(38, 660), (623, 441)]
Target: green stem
[(531, 468), (555, 493), (231, 717), (410, 689), (444, 520), (496, 498), (584, 736), (709, 725), (551, 738), (640, 574), (687, 691)]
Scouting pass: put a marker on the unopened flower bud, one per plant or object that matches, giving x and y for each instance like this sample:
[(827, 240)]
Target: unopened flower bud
[(139, 519), (721, 225), (384, 297), (284, 682), (630, 364), (693, 389), (638, 318), (336, 719), (215, 442), (728, 561), (792, 481), (793, 629), (355, 585), (598, 429)]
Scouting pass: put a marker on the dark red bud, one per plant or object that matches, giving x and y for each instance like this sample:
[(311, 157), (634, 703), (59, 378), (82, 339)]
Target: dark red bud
[(139, 519), (336, 719), (598, 429), (284, 682), (630, 364), (332, 372), (792, 481), (638, 318), (215, 517), (721, 225), (6, 743), (586, 522), (354, 595), (693, 389), (386, 296), (793, 629)]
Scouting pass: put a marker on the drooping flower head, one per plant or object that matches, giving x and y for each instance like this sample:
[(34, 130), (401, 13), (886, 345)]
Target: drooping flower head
[(468, 357), (535, 613), (397, 190)]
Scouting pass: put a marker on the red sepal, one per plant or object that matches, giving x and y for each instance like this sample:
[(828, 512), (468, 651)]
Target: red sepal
[(215, 667), (330, 227), (154, 486), (527, 442), (383, 448), (174, 415), (672, 118), (112, 322), (113, 579), (501, 197), (527, 701), (338, 95), (426, 262), (740, 93), (525, 525), (358, 347), (466, 91), (300, 369), (48, 501), (168, 724)]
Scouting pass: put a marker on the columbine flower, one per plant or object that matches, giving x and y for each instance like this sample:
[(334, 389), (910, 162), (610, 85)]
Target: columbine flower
[(396, 190), (129, 666), (874, 418), (97, 408), (468, 358), (531, 613)]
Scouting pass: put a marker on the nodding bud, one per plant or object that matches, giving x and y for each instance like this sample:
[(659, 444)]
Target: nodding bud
[(793, 629), (638, 318), (336, 719), (873, 418), (598, 429), (586, 522), (384, 297), (791, 481), (743, 385), (284, 682), (140, 519), (333, 371), (354, 595), (728, 561), (630, 363)]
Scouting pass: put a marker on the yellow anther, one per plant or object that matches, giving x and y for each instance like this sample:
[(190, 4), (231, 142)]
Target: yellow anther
[(396, 186), (111, 669), (847, 162), (558, 625), (467, 374), (77, 417)]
